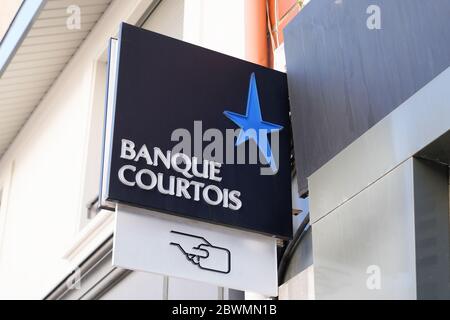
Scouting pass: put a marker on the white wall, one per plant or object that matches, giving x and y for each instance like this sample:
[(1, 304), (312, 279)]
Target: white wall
[(43, 206), (213, 24), (216, 25), (44, 193)]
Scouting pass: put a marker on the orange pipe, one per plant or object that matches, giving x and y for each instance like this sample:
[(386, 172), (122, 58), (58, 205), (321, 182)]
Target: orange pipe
[(256, 46)]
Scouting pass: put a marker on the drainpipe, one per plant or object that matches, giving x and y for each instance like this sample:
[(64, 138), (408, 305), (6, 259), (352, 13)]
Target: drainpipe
[(256, 46)]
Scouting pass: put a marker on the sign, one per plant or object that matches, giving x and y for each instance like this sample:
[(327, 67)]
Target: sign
[(195, 250), (197, 134)]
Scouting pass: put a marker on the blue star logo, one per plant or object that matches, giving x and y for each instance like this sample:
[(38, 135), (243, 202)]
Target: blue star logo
[(252, 125)]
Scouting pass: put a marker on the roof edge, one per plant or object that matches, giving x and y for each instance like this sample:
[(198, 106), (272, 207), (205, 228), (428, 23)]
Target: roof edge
[(18, 29)]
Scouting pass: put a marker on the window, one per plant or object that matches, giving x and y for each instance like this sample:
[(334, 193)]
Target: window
[(1, 198), (2, 214), (5, 191), (94, 142)]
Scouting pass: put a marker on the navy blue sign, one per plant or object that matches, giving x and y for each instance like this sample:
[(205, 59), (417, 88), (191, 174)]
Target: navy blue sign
[(199, 134)]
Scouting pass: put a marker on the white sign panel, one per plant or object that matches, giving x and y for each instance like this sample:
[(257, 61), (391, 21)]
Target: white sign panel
[(173, 246)]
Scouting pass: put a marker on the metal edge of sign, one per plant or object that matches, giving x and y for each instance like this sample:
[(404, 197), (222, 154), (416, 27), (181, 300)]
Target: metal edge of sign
[(108, 129)]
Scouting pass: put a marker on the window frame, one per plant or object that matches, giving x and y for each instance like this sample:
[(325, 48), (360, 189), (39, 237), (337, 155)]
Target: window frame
[(5, 189), (96, 108)]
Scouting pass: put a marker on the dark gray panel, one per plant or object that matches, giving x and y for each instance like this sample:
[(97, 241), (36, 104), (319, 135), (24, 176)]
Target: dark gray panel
[(431, 205), (438, 151), (344, 78), (302, 257)]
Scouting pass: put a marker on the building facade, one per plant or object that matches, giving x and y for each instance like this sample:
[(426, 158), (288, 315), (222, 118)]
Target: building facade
[(370, 119)]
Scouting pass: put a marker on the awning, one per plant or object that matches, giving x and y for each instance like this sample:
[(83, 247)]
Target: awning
[(35, 50)]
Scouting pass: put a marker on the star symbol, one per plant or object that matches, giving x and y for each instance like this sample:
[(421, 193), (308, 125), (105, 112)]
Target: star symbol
[(252, 125)]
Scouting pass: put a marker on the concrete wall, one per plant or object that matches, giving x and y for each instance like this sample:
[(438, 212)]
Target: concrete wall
[(383, 233)]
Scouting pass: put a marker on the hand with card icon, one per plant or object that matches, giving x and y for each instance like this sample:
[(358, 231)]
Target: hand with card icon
[(202, 253)]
